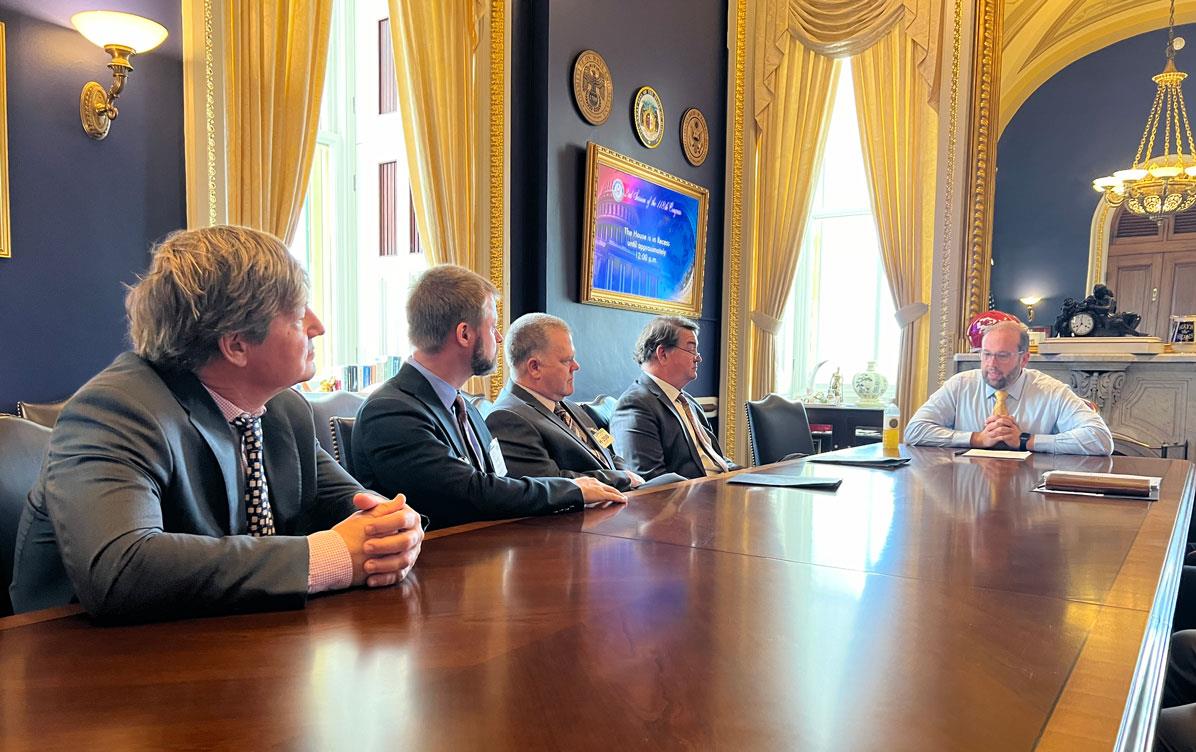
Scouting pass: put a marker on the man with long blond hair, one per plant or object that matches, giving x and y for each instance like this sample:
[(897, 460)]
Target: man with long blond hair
[(185, 478)]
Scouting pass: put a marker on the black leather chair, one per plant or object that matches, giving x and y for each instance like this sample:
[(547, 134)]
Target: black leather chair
[(41, 413), (22, 448), (777, 428), (601, 409), (341, 429), (325, 405)]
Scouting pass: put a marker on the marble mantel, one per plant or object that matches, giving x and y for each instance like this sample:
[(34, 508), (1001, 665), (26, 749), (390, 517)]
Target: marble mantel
[(1147, 398)]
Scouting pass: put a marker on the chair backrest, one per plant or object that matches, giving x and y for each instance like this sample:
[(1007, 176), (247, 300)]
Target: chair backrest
[(22, 448), (341, 429), (41, 413), (480, 401), (325, 405), (777, 428), (601, 409)]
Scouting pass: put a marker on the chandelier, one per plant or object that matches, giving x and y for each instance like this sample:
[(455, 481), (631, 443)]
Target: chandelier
[(1158, 186)]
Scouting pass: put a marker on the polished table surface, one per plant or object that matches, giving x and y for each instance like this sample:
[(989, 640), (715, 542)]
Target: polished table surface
[(939, 606)]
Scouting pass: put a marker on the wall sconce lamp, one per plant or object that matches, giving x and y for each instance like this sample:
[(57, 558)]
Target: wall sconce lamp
[(121, 35), (1029, 302)]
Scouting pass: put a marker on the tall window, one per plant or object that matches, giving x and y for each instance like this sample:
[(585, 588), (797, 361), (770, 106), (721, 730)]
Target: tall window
[(840, 311), (356, 236)]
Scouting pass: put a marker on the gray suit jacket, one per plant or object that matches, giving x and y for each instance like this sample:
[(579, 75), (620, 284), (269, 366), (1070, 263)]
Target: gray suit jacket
[(405, 441), (648, 432), (536, 442), (140, 512)]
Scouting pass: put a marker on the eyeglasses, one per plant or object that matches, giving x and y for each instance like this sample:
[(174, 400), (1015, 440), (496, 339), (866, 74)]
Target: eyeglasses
[(694, 352), (1001, 356)]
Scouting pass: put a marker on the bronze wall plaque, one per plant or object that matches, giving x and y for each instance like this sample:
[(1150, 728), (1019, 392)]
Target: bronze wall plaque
[(695, 136), (592, 87)]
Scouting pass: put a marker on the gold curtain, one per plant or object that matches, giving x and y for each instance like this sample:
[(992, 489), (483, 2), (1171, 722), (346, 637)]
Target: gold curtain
[(839, 28), (435, 44), (898, 132), (790, 146), (276, 56)]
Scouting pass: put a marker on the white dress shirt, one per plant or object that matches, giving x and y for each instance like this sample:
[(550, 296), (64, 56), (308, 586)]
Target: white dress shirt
[(1060, 422)]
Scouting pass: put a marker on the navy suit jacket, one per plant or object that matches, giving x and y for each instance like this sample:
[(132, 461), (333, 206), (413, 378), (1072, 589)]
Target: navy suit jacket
[(535, 442), (140, 511), (406, 441), (648, 432)]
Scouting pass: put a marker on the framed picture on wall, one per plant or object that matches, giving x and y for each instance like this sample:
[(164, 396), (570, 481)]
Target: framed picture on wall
[(645, 236)]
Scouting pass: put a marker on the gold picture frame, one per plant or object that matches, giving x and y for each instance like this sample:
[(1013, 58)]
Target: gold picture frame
[(645, 237), (5, 223)]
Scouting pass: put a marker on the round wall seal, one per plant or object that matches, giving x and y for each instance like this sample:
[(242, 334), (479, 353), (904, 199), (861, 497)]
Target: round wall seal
[(592, 87), (695, 137), (648, 114)]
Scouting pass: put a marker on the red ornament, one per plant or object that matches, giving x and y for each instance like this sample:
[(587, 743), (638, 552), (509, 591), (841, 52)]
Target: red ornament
[(982, 322)]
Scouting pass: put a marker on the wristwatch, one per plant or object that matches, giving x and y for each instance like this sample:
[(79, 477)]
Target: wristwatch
[(1025, 437)]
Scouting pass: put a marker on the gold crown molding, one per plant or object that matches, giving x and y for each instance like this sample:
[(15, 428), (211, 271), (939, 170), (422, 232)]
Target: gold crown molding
[(497, 99), (728, 413), (986, 75), (946, 339), (209, 73)]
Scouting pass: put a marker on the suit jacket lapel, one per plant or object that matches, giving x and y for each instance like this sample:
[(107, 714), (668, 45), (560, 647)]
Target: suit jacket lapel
[(651, 385), (210, 424), (413, 382), (282, 467), (583, 422), (482, 432), (553, 418)]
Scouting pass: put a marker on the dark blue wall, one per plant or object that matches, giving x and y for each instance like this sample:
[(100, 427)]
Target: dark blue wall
[(1083, 123), (679, 48), (84, 213)]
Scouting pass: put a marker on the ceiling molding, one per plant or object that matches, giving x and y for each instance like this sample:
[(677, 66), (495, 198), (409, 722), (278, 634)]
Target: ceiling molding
[(1042, 37)]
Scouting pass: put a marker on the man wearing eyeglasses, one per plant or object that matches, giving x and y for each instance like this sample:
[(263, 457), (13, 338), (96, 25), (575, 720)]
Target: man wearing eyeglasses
[(658, 428), (1004, 405)]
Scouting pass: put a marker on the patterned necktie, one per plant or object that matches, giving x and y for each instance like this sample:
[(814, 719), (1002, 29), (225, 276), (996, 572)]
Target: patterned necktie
[(257, 497), (581, 435), (466, 433), (999, 408), (703, 441)]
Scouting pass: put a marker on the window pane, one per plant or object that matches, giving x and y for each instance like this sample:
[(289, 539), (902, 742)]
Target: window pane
[(840, 312)]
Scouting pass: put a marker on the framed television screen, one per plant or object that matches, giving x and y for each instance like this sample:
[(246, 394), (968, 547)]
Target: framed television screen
[(645, 237)]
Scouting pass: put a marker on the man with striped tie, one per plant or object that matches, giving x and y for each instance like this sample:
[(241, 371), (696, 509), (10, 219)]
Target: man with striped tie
[(1004, 405), (542, 433), (657, 425)]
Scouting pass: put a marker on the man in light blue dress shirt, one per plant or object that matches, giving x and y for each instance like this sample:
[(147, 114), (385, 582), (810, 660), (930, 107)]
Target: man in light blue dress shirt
[(1045, 415)]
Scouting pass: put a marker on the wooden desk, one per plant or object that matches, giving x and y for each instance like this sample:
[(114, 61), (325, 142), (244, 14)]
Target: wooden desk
[(940, 606), (844, 420)]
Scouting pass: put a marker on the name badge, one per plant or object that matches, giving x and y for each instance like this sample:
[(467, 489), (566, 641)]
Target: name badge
[(500, 465), (603, 438)]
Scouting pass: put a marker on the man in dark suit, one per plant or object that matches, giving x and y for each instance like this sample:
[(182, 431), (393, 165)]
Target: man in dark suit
[(658, 427), (417, 435), (185, 478), (540, 432)]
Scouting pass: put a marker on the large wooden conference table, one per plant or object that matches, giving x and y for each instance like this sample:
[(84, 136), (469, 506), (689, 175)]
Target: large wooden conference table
[(942, 606)]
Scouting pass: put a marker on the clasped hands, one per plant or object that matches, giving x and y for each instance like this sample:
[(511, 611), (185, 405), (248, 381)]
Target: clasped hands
[(383, 538), (998, 430)]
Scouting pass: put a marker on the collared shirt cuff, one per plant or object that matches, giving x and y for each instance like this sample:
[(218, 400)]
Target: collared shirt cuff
[(329, 565), (1043, 442), (962, 439)]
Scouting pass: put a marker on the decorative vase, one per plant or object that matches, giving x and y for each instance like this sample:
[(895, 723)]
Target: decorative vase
[(869, 385)]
